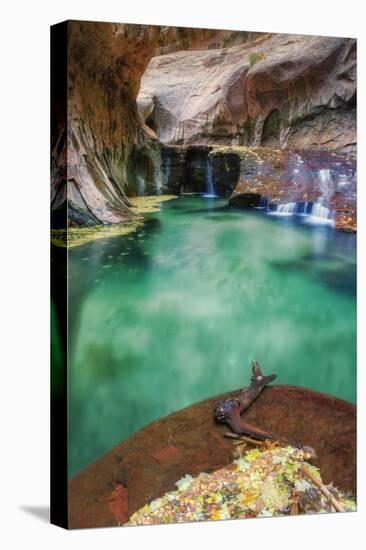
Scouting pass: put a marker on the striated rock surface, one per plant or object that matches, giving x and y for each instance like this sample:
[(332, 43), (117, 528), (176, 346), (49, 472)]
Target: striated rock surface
[(173, 39), (147, 464), (105, 152), (105, 64), (220, 88), (278, 90)]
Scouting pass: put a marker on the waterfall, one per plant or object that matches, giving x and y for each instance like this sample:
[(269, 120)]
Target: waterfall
[(263, 203), (317, 212), (320, 211), (167, 168), (287, 209), (210, 190), (326, 184), (304, 208), (313, 212), (141, 186), (321, 214)]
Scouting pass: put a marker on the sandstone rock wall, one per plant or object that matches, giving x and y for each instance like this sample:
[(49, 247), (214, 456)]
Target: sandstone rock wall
[(220, 87), (107, 152), (174, 39), (278, 90), (105, 64)]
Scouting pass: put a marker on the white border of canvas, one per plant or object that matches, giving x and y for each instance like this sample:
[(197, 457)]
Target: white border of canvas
[(24, 185)]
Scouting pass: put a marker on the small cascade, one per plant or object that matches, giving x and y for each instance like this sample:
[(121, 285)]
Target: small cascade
[(263, 203), (210, 189), (313, 212), (326, 184), (288, 209), (304, 208), (320, 211), (167, 168), (321, 214), (141, 186)]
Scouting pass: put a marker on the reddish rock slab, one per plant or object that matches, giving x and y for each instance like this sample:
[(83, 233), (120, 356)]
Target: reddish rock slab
[(285, 176), (148, 463)]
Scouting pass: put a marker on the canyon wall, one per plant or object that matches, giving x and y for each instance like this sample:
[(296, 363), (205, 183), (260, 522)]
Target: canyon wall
[(104, 65), (105, 152), (140, 98), (278, 91)]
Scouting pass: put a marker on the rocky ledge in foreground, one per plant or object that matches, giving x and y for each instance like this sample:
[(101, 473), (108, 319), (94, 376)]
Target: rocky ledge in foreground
[(147, 464)]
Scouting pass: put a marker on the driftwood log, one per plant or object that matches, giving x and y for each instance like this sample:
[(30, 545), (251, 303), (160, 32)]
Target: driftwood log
[(229, 411)]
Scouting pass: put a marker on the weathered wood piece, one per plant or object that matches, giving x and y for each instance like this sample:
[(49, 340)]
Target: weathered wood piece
[(230, 410)]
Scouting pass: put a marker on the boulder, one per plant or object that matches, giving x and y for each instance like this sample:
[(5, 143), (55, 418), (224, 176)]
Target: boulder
[(147, 464)]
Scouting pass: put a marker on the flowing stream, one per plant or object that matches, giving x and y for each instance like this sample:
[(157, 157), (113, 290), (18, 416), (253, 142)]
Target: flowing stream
[(174, 313), (210, 189)]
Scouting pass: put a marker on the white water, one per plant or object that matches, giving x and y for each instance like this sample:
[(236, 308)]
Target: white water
[(288, 209), (321, 214), (210, 189), (141, 185), (314, 213), (263, 203), (326, 184)]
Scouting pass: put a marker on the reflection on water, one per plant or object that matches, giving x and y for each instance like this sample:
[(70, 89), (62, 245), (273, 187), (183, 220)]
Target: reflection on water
[(174, 313)]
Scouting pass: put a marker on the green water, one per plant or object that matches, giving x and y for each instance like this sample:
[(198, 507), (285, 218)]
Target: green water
[(175, 312)]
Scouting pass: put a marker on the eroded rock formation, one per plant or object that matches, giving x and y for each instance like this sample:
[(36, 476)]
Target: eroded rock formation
[(219, 88), (278, 90), (106, 153), (174, 39), (105, 64)]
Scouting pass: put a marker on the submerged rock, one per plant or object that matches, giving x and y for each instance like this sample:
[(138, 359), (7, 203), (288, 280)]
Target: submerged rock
[(246, 200)]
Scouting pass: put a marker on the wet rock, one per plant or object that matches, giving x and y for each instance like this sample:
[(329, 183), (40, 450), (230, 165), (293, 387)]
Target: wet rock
[(225, 173), (296, 176), (173, 168), (105, 147), (147, 464), (245, 200), (196, 169), (105, 64), (221, 87)]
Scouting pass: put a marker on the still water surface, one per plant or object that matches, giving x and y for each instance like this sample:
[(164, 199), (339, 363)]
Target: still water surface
[(174, 313)]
